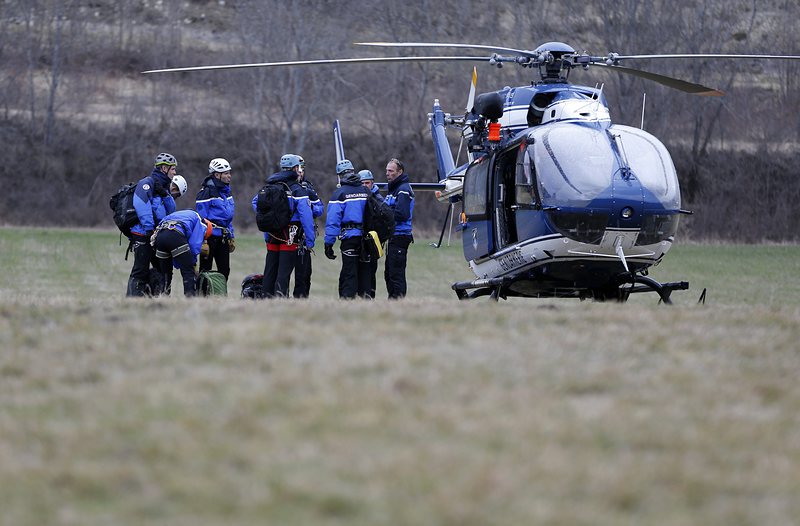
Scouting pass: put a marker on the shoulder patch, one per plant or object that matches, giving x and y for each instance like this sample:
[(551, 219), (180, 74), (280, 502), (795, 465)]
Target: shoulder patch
[(145, 186)]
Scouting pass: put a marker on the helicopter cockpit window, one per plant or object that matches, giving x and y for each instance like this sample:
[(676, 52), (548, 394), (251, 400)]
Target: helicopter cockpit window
[(525, 180), (574, 164), (651, 164)]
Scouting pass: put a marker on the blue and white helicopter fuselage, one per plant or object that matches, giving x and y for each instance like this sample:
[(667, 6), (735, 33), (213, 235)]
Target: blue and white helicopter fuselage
[(559, 202)]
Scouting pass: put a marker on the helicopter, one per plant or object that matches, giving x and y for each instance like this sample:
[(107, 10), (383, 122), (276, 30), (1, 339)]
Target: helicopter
[(556, 200)]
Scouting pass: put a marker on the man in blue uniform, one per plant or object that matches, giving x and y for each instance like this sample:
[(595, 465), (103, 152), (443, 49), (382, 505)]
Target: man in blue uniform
[(152, 201), (177, 241), (302, 269), (401, 198), (368, 265), (215, 203), (282, 247), (346, 220)]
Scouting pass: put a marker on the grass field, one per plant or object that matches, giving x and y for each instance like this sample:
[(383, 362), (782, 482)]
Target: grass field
[(423, 411)]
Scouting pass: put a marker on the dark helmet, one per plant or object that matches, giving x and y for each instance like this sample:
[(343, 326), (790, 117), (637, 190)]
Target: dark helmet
[(291, 160), (343, 166), (165, 158)]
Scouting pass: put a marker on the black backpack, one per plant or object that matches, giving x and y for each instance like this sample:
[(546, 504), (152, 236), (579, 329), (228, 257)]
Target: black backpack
[(378, 216), (251, 286), (121, 204), (272, 207)]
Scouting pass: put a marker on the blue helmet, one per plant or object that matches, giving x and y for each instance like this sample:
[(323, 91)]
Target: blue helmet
[(343, 166), (291, 160), (366, 175)]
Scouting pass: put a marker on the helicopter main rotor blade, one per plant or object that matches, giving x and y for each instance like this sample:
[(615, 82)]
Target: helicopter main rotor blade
[(523, 52), (682, 85), (703, 55), (319, 62)]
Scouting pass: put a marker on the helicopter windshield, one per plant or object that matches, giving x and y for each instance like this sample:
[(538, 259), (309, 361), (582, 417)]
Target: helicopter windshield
[(576, 164), (651, 164)]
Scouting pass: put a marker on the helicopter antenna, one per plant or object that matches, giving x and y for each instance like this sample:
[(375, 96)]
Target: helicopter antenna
[(644, 101), (599, 96)]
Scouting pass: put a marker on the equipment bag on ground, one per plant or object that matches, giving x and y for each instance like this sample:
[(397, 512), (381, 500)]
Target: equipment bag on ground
[(121, 204), (273, 211), (378, 217), (212, 284), (251, 286)]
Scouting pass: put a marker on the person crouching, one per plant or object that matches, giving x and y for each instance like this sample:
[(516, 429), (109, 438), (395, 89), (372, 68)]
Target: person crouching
[(179, 238)]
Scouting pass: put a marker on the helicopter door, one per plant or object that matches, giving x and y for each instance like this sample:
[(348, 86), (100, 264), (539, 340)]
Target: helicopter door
[(505, 198), (477, 230)]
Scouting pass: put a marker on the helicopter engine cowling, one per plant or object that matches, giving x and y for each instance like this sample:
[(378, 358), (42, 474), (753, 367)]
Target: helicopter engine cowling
[(489, 105)]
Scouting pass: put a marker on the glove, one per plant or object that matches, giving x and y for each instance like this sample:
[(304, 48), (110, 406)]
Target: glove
[(329, 251), (159, 190), (204, 249), (231, 245)]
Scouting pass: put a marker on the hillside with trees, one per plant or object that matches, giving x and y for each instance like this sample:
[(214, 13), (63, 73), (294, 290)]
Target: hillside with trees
[(78, 119)]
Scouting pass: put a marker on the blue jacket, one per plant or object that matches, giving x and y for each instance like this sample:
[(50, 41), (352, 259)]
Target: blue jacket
[(298, 203), (317, 208), (215, 203), (346, 211), (401, 198), (192, 226), (152, 201)]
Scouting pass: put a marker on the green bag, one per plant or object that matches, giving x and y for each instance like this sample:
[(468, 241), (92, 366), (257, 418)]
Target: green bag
[(212, 284)]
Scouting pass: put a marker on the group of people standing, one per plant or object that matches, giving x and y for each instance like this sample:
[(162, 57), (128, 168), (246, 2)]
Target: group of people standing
[(167, 238)]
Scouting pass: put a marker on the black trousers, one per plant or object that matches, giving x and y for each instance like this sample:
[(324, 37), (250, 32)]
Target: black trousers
[(367, 269), (353, 279), (219, 251), (143, 280), (395, 270), (302, 273), (168, 240), (278, 268)]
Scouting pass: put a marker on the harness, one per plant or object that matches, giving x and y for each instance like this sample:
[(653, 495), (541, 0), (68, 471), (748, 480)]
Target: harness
[(168, 225)]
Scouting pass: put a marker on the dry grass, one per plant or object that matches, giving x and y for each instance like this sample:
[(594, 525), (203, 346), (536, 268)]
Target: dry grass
[(425, 411)]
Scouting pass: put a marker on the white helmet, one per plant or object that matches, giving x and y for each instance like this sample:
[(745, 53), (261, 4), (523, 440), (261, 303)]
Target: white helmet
[(218, 165), (180, 184)]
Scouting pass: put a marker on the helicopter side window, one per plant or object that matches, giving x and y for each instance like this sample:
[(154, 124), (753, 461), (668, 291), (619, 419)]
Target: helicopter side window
[(475, 190), (525, 181), (504, 181)]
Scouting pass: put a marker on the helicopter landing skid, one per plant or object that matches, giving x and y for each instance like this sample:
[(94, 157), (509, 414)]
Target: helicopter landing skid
[(497, 288), (482, 287), (664, 290)]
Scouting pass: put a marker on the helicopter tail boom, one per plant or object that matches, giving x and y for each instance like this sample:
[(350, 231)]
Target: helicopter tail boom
[(444, 155)]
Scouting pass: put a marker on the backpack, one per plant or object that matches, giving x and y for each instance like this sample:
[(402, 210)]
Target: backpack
[(212, 284), (251, 286), (273, 211), (121, 204), (378, 216)]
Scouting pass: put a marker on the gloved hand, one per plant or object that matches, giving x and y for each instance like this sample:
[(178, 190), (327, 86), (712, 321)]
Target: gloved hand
[(329, 251), (204, 249), (196, 271), (231, 245), (159, 190)]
